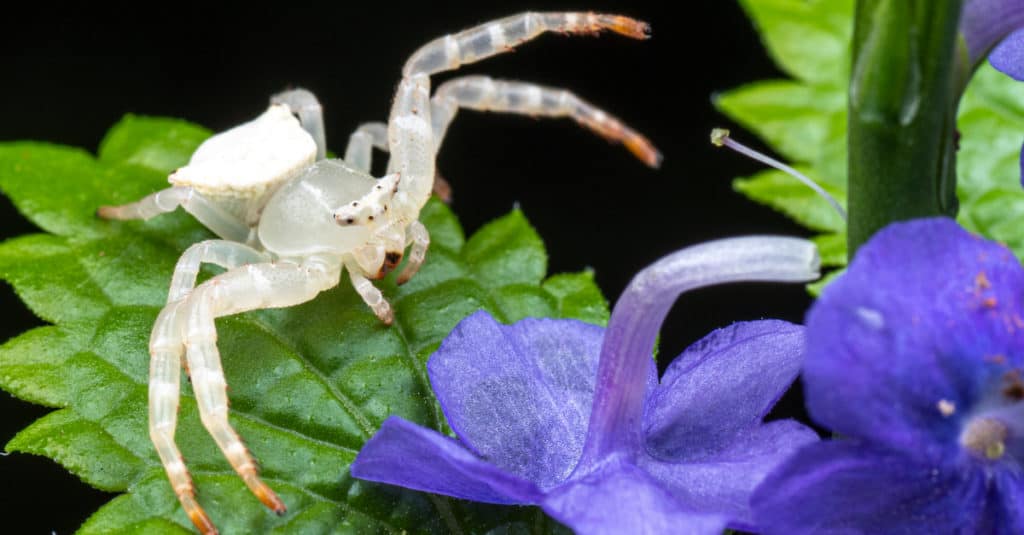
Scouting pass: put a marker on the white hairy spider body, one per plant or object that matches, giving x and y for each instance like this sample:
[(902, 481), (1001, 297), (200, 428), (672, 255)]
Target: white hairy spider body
[(251, 158), (291, 222)]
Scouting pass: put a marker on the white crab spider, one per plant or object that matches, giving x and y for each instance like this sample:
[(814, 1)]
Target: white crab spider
[(291, 223)]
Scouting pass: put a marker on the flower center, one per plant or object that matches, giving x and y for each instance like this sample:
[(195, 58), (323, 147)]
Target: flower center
[(985, 437)]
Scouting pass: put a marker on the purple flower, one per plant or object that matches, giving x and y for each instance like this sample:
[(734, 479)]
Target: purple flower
[(995, 28), (914, 357), (571, 417)]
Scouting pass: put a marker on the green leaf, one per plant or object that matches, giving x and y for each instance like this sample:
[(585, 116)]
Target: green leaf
[(798, 120), (156, 143), (308, 384), (991, 124), (578, 297), (804, 120), (832, 248), (787, 195), (809, 39)]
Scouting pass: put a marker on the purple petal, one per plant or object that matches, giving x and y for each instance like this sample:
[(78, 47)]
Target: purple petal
[(723, 482), (985, 23), (615, 424), (846, 487), (1008, 517), (622, 499), (924, 323), (722, 386), (405, 454), (1008, 56), (519, 395)]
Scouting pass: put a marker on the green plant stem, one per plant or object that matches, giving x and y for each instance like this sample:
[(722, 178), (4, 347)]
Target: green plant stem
[(902, 120)]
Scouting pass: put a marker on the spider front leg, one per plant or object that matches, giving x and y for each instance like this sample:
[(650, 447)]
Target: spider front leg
[(502, 35), (165, 349), (487, 94), (190, 324), (216, 219)]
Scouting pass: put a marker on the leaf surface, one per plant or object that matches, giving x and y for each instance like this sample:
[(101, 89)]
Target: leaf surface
[(991, 124)]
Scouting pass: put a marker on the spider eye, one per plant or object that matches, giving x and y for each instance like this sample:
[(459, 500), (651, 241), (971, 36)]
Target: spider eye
[(350, 220)]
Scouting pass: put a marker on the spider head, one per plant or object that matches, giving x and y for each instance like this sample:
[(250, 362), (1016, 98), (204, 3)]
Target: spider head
[(373, 207)]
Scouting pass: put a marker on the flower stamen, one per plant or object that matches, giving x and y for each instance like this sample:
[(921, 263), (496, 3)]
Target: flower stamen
[(720, 138), (985, 437), (946, 407)]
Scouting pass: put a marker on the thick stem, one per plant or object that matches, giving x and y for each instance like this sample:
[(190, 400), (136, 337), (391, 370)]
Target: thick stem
[(902, 120)]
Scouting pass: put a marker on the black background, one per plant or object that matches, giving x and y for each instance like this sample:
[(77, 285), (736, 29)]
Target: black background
[(66, 76)]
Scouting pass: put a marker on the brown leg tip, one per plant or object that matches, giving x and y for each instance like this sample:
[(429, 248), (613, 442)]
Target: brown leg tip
[(199, 518), (644, 150), (270, 499), (105, 212), (637, 29)]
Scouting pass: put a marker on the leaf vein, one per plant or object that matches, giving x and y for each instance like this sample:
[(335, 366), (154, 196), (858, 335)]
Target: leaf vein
[(350, 407)]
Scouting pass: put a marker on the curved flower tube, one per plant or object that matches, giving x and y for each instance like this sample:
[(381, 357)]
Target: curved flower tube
[(571, 417), (915, 357)]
